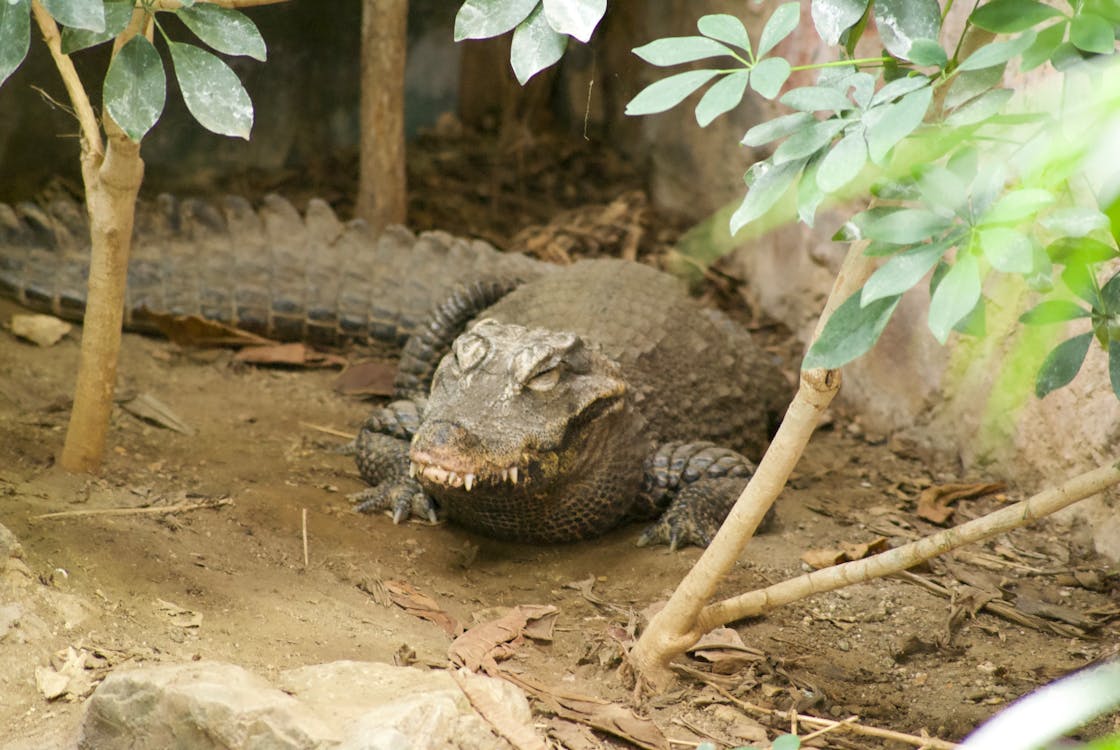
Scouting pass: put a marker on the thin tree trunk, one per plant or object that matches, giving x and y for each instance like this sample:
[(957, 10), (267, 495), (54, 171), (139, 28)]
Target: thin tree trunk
[(382, 188), (674, 629)]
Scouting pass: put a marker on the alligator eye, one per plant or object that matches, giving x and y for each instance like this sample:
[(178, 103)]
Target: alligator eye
[(470, 350), (545, 381)]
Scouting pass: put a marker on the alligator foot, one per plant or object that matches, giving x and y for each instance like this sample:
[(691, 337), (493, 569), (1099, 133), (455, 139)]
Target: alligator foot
[(695, 514), (383, 463)]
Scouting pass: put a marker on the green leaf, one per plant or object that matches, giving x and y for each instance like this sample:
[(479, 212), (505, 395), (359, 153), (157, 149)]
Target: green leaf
[(809, 195), (781, 24), (535, 46), (1007, 250), (997, 53), (675, 50), (928, 52), (1068, 250), (211, 91), (786, 742), (971, 84), (1066, 56), (1080, 280), (481, 19), (900, 226), (1062, 364), (807, 141), (815, 99), (954, 297), (901, 22), (668, 92), (1110, 295), (833, 17), (890, 123), (843, 162), (1075, 222), (1011, 16), (117, 15), (850, 332), (898, 87), (1045, 44), (135, 87), (225, 29), (15, 35), (779, 127), (725, 28), (979, 109), (1053, 311), (1091, 33), (902, 272), (770, 183), (724, 95), (769, 75), (942, 188), (1114, 378), (1017, 206), (576, 18), (78, 14)]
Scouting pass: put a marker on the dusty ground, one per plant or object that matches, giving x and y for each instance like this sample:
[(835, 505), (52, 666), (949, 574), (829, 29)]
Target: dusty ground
[(231, 584)]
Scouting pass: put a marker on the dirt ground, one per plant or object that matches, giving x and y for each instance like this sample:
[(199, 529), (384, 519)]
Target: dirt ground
[(231, 582)]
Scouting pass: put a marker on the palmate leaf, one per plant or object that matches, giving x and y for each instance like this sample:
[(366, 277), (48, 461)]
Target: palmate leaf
[(535, 46), (481, 19), (1044, 46), (833, 17), (902, 272), (769, 75), (117, 15), (77, 14), (211, 90), (1053, 311), (955, 296), (997, 53), (770, 183), (807, 141), (576, 18), (890, 123), (1011, 16), (901, 22), (725, 28), (723, 96), (1092, 33), (675, 50), (225, 29), (843, 162), (900, 226), (668, 92), (1063, 363), (135, 87), (781, 24), (850, 332), (15, 35), (779, 127)]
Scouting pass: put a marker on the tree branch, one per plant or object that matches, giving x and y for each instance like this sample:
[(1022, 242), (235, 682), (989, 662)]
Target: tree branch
[(87, 119), (1045, 503)]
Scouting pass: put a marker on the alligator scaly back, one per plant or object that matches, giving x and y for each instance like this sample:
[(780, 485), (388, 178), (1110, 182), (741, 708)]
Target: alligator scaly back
[(269, 271)]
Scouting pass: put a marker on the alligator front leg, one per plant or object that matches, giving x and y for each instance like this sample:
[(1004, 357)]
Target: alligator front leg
[(692, 486), (381, 450)]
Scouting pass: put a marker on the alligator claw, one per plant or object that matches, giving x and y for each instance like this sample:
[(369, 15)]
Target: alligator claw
[(404, 499)]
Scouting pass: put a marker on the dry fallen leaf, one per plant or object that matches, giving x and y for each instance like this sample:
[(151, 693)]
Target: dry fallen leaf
[(295, 354), (44, 330), (521, 736), (418, 604), (371, 377), (191, 330), (484, 645), (822, 558), (934, 504), (149, 408)]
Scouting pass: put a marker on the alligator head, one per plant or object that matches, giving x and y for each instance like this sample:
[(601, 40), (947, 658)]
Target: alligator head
[(529, 434)]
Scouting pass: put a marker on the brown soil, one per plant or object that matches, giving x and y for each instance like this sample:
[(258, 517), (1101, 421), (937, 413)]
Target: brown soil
[(231, 583)]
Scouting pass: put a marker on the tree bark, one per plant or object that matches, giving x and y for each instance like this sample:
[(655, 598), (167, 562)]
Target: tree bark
[(382, 187)]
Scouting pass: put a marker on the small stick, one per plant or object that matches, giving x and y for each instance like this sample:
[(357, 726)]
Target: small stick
[(305, 537), (147, 510), (327, 430), (838, 725)]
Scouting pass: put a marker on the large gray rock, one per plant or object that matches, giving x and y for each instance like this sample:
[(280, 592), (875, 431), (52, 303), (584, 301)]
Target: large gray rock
[(341, 705)]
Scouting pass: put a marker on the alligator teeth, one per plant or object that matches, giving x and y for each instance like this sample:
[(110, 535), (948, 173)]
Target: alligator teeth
[(454, 479), (513, 474), (468, 481), (412, 469), (505, 475)]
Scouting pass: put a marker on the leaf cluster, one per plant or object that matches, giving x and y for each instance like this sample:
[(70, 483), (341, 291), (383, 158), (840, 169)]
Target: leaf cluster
[(134, 90)]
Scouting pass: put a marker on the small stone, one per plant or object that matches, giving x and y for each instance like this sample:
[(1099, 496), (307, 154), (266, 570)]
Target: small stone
[(44, 330)]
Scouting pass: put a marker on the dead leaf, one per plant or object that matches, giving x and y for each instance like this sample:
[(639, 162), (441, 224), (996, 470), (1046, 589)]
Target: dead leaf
[(418, 604), (596, 713), (724, 649), (1032, 606), (934, 503), (297, 354), (44, 330), (822, 558), (571, 735), (191, 330), (521, 736), (484, 645), (147, 407), (854, 551), (370, 377)]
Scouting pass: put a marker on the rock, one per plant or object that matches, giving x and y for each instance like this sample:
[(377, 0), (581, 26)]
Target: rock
[(201, 705), (341, 705), (9, 546), (44, 330)]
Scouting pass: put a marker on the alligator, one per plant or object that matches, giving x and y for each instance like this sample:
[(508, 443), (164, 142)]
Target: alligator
[(534, 402)]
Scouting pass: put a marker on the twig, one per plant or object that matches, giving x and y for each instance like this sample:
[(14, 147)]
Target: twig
[(305, 563), (87, 120), (849, 724), (896, 560), (327, 430), (147, 510)]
